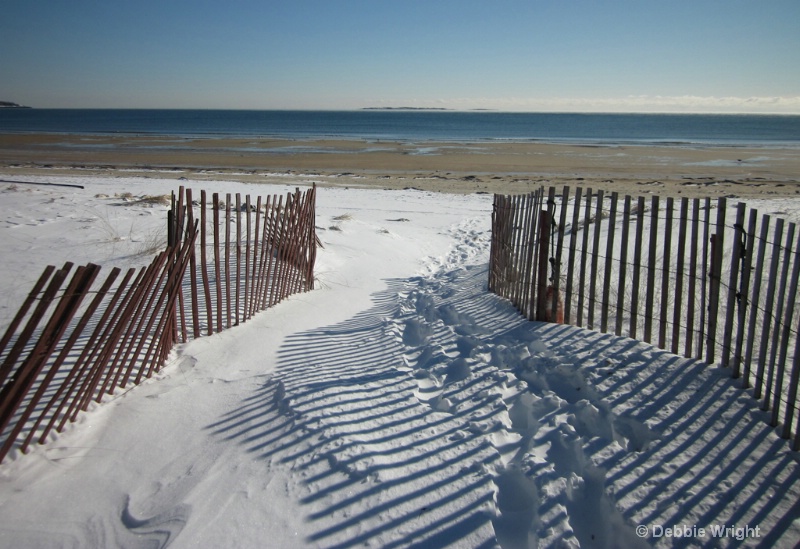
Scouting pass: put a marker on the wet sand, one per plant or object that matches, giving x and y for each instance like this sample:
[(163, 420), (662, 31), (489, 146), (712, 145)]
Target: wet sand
[(445, 167)]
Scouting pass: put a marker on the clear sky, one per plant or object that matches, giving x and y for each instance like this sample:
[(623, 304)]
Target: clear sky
[(515, 55)]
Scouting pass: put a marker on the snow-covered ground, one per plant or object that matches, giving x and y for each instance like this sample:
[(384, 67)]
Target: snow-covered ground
[(399, 404)]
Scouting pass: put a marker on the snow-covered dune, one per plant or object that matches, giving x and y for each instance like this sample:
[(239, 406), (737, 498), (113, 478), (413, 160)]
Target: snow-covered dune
[(399, 404)]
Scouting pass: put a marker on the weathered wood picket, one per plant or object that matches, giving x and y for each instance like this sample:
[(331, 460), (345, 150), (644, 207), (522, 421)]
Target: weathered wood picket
[(687, 282), (74, 341)]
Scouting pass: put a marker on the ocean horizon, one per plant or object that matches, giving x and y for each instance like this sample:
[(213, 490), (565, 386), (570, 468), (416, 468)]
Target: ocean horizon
[(405, 124)]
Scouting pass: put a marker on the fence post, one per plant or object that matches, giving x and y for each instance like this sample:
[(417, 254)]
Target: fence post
[(738, 255)]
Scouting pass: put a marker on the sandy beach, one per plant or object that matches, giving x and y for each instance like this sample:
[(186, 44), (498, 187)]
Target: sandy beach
[(489, 167)]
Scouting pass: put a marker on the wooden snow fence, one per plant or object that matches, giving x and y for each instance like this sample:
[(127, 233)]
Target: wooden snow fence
[(679, 274), (78, 336)]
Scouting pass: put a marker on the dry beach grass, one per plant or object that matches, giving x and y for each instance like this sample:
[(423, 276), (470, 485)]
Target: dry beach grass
[(445, 167)]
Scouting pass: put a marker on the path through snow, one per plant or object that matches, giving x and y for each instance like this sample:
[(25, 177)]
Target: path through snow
[(439, 416)]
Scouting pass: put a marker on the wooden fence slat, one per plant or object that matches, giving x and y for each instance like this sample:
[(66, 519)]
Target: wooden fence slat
[(679, 264), (248, 237), (238, 257), (228, 314), (715, 279), (754, 301), (637, 262), (528, 239), (556, 294), (598, 220), (181, 217), (665, 275), (281, 250), (547, 284), (217, 266), (701, 332), (538, 200), (516, 250), (606, 303), (274, 266), (584, 251), (514, 259), (623, 263), (255, 260), (573, 237), (690, 295), (266, 252), (204, 265), (193, 270), (651, 271)]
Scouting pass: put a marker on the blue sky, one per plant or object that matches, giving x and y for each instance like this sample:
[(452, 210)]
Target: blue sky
[(534, 55)]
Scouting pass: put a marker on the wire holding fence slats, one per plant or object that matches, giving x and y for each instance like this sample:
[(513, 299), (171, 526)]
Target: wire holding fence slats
[(71, 343), (692, 276)]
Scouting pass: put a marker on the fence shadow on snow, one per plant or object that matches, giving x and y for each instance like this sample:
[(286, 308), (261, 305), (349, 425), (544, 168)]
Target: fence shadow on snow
[(680, 275)]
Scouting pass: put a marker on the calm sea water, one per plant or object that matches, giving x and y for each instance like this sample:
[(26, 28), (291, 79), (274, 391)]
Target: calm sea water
[(667, 129)]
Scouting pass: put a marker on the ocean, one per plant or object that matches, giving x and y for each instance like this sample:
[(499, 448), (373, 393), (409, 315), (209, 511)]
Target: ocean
[(417, 125)]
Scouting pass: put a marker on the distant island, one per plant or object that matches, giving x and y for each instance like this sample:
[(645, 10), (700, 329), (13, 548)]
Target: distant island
[(405, 109), (415, 109), (10, 105)]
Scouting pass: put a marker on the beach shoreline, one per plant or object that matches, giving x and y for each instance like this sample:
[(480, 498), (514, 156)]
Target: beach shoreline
[(451, 167)]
